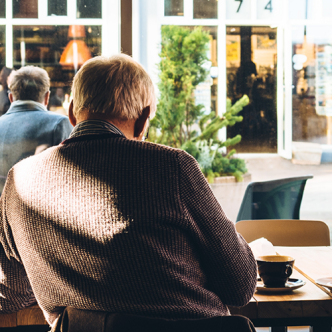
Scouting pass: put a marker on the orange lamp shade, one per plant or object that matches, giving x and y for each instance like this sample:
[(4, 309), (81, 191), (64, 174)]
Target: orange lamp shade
[(76, 31), (75, 54)]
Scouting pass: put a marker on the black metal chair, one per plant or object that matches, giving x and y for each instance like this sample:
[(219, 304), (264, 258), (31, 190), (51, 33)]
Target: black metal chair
[(74, 320), (276, 199)]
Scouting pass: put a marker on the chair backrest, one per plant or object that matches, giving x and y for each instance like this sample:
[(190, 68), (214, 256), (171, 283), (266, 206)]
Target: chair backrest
[(286, 232), (276, 199)]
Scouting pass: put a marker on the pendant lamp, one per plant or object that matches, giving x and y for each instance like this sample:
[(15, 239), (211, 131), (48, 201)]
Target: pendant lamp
[(76, 51)]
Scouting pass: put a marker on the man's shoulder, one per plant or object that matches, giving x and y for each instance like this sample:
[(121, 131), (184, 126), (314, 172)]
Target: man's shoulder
[(166, 152)]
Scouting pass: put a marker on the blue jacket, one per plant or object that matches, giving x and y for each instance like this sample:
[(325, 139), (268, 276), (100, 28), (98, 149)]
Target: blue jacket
[(26, 126)]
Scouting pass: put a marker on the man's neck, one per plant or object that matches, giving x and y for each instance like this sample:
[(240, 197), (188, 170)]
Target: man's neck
[(126, 127)]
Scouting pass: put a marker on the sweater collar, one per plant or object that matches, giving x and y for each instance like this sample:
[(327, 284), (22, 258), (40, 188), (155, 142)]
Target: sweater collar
[(94, 127)]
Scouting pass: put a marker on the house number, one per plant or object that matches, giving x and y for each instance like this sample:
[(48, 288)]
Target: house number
[(238, 9), (267, 7)]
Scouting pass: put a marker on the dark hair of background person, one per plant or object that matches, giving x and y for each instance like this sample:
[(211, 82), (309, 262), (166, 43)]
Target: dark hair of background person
[(4, 100)]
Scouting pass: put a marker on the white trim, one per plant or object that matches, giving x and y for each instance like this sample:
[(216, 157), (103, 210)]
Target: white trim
[(222, 85), (281, 102), (42, 9), (71, 9), (111, 27), (253, 16), (9, 33), (50, 20), (9, 46), (188, 9), (289, 91), (135, 30)]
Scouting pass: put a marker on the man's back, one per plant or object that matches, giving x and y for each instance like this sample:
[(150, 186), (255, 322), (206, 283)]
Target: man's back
[(26, 126), (119, 228)]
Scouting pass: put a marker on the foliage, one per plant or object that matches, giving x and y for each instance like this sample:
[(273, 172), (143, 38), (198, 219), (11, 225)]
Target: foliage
[(207, 149), (181, 68)]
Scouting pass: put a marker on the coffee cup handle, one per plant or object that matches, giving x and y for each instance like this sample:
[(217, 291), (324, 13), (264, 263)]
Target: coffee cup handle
[(289, 270)]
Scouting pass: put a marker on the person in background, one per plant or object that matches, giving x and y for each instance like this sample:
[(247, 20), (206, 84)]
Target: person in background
[(108, 223), (28, 124), (4, 100), (56, 99)]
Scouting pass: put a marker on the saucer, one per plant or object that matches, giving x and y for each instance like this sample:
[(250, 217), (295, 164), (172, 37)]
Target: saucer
[(326, 282), (290, 285)]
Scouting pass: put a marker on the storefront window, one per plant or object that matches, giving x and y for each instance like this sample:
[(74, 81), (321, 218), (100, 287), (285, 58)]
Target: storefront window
[(2, 45), (25, 8), (88, 9), (53, 48), (205, 8), (2, 8), (312, 80), (327, 8), (304, 9), (251, 61), (173, 7), (57, 7)]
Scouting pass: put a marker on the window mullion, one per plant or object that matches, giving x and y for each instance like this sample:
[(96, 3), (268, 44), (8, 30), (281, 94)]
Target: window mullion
[(71, 9), (42, 9)]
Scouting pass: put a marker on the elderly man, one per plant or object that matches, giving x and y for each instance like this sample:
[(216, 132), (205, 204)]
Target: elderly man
[(28, 125), (108, 222)]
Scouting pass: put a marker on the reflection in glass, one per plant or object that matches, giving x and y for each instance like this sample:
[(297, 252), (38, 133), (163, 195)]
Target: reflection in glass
[(57, 7), (251, 63), (302, 9), (205, 8), (43, 46), (327, 8), (2, 8), (312, 80), (25, 8), (2, 45), (88, 9), (173, 7)]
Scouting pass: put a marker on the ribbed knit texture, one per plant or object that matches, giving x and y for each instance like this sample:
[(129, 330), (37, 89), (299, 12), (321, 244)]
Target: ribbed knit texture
[(122, 226)]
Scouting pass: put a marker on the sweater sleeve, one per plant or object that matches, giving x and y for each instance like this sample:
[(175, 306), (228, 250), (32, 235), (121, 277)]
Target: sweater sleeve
[(225, 256), (15, 289)]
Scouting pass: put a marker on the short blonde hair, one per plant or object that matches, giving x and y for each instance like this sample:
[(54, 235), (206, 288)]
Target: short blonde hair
[(117, 86), (29, 83)]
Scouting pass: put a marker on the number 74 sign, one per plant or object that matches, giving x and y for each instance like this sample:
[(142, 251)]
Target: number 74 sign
[(268, 5)]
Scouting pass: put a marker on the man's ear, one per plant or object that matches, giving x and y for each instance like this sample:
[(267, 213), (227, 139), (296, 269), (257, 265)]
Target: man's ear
[(47, 97), (140, 123), (10, 96), (71, 115)]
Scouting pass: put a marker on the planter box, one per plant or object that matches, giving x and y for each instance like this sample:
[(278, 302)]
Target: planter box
[(229, 194), (231, 179)]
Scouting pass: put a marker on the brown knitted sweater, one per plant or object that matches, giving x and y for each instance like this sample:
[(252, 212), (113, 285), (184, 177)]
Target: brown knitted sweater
[(106, 223)]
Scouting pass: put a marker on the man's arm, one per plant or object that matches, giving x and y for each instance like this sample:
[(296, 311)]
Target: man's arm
[(227, 260), (15, 289)]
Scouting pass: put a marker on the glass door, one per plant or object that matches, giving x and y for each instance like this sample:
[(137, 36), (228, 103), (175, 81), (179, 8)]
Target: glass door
[(251, 69)]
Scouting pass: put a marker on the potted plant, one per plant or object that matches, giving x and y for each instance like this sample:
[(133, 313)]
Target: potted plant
[(182, 67)]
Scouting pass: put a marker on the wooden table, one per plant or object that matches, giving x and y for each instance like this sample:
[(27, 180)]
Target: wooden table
[(310, 305), (29, 316)]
